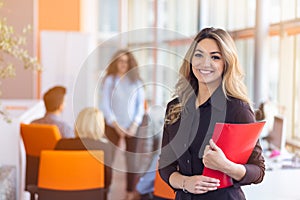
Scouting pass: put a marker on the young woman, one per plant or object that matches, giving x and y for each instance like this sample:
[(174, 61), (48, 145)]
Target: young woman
[(89, 135), (210, 90), (123, 107)]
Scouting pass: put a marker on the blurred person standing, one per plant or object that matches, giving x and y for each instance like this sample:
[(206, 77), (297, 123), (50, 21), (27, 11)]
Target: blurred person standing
[(123, 106)]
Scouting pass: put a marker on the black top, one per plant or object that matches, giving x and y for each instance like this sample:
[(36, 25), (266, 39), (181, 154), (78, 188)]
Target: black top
[(184, 141), (90, 144)]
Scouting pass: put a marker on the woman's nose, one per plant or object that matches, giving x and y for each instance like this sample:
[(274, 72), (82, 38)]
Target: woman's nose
[(206, 61)]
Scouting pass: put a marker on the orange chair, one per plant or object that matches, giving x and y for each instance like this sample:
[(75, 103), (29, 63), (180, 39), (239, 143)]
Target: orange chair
[(161, 189), (37, 137), (69, 174)]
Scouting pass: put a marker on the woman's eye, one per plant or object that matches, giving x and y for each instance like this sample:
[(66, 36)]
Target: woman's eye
[(198, 55), (216, 57)]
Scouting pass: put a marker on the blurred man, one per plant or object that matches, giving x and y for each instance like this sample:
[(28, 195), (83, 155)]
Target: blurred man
[(54, 100)]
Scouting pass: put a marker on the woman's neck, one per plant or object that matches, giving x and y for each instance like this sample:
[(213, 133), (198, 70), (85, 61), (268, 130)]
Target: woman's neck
[(204, 93)]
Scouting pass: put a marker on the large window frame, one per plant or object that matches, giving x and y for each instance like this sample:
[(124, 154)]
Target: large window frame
[(285, 25)]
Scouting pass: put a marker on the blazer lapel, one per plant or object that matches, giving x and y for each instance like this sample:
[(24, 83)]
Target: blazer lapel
[(187, 128)]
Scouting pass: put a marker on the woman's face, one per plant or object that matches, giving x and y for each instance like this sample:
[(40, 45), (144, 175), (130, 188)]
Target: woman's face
[(208, 63), (123, 65)]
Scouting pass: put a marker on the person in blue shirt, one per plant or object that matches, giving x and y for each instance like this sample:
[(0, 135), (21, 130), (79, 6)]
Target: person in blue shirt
[(123, 107), (54, 100)]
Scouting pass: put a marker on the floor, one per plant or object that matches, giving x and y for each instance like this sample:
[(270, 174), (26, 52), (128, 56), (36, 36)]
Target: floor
[(118, 186)]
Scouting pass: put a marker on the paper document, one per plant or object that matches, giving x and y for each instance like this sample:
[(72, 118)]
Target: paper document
[(237, 141)]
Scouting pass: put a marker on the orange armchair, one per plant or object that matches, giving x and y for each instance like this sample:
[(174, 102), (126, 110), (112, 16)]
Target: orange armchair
[(69, 174), (37, 137), (161, 189)]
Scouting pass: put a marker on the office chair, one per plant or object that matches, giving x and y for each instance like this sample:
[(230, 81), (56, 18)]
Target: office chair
[(36, 137), (162, 190), (69, 174)]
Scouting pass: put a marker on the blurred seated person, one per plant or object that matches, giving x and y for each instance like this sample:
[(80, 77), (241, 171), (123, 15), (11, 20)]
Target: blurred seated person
[(149, 145), (89, 135), (145, 185), (260, 113), (54, 100)]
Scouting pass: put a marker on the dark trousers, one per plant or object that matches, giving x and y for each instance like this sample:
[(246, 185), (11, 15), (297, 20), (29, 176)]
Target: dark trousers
[(131, 147)]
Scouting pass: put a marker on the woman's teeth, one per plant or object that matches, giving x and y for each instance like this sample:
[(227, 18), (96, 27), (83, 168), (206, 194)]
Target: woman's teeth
[(205, 71)]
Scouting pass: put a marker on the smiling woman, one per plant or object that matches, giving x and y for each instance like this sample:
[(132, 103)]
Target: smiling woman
[(208, 66), (210, 90)]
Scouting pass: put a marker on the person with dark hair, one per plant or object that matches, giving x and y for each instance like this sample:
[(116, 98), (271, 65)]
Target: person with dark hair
[(123, 108), (209, 90), (260, 113), (54, 101)]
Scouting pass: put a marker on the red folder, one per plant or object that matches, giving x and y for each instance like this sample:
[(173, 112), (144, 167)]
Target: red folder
[(237, 141)]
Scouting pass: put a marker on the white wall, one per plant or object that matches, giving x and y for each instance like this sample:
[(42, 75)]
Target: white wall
[(64, 56)]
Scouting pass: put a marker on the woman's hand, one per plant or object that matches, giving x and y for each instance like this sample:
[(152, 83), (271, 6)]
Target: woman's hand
[(131, 131), (200, 184), (214, 158), (197, 184), (119, 130)]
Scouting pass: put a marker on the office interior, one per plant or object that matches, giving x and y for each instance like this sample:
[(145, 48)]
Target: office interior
[(74, 40)]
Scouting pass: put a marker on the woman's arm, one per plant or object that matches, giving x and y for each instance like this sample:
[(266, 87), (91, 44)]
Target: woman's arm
[(214, 158), (139, 111), (197, 184), (108, 86), (251, 172), (140, 102)]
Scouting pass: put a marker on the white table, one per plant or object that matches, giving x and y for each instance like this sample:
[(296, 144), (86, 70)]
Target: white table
[(278, 184), (12, 151)]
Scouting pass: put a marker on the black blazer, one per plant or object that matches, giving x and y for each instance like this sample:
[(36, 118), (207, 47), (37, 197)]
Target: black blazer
[(184, 142)]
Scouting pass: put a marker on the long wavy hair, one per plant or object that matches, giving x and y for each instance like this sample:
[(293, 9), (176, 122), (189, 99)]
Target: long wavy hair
[(232, 77), (112, 68)]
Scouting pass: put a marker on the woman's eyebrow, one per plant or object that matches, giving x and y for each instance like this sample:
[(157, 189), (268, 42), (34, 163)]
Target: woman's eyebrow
[(213, 52), (199, 50)]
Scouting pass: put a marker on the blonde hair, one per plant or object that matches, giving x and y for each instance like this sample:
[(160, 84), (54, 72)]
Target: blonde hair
[(232, 77), (90, 124)]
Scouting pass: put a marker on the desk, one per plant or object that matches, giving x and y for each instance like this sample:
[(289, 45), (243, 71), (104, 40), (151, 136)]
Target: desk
[(278, 184), (12, 151)]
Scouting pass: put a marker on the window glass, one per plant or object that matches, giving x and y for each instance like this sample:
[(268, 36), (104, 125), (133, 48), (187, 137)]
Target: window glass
[(298, 9), (159, 69), (217, 15), (241, 8), (273, 67), (140, 14), (288, 9), (179, 15), (297, 91), (108, 17), (245, 50), (275, 11)]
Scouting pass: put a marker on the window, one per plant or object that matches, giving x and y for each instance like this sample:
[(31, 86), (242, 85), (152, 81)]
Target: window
[(273, 67), (108, 16), (275, 11), (245, 50), (296, 109), (288, 8), (246, 9)]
